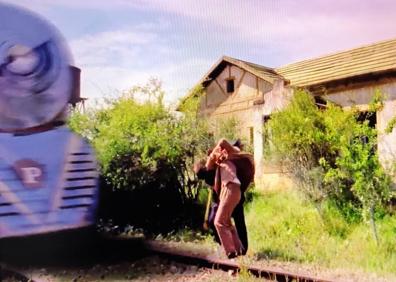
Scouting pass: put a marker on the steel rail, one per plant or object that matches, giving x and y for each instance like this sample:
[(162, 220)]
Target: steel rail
[(270, 273)]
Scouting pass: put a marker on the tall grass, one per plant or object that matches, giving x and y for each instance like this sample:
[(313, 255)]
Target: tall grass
[(283, 226)]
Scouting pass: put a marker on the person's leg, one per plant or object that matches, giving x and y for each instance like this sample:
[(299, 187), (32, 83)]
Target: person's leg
[(229, 198), (211, 219), (237, 242), (240, 224)]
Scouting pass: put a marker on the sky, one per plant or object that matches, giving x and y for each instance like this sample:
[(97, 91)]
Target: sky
[(122, 43)]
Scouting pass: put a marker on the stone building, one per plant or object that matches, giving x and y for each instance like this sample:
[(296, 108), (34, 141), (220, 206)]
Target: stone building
[(251, 93)]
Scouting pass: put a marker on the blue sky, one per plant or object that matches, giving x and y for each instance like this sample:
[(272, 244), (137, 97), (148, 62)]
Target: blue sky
[(121, 43)]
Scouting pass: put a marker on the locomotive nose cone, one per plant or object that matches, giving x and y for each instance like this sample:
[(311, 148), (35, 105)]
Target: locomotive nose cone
[(35, 77)]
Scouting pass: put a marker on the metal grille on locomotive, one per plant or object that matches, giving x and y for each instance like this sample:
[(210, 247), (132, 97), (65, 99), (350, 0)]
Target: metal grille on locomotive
[(53, 187)]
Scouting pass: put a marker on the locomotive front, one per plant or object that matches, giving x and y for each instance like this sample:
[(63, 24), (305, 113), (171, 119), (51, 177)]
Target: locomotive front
[(48, 175)]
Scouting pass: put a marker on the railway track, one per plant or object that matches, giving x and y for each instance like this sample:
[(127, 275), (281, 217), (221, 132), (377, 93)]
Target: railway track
[(108, 251), (270, 273)]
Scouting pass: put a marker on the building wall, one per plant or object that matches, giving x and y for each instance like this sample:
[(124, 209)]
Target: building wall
[(347, 97), (360, 97), (219, 105), (270, 176)]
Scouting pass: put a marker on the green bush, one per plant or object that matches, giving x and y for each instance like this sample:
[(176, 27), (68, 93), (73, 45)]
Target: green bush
[(331, 154), (146, 154)]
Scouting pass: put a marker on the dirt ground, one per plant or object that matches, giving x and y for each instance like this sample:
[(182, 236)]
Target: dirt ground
[(146, 269), (71, 259)]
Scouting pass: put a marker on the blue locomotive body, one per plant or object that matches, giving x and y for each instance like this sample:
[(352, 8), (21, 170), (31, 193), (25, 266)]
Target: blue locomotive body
[(48, 182)]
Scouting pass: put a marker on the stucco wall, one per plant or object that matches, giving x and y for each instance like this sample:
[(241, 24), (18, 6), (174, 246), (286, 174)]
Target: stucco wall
[(361, 97), (219, 105)]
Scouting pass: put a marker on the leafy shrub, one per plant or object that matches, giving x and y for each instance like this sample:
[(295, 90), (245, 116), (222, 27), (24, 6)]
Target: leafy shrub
[(228, 128), (331, 154), (146, 154)]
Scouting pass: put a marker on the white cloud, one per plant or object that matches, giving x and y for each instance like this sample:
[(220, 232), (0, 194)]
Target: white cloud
[(298, 29), (98, 82), (185, 37), (110, 48), (115, 61), (86, 4), (108, 60)]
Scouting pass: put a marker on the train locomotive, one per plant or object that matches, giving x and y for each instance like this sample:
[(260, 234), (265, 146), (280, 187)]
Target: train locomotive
[(48, 175)]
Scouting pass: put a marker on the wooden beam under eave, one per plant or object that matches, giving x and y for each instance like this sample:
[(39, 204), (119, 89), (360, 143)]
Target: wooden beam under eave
[(352, 83), (236, 91), (221, 88), (257, 86)]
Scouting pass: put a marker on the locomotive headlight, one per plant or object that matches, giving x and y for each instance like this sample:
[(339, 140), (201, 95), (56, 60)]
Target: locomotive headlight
[(22, 60), (35, 78)]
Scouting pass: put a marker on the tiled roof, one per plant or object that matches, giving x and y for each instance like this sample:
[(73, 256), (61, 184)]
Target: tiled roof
[(373, 58), (262, 72), (265, 73)]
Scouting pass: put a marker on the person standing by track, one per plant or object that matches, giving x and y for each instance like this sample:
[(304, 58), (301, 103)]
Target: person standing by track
[(234, 170)]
